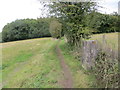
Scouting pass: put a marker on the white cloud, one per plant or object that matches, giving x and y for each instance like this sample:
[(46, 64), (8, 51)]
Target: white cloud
[(18, 9), (109, 6)]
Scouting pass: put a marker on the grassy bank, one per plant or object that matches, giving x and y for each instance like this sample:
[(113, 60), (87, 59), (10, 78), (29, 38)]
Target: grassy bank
[(81, 78)]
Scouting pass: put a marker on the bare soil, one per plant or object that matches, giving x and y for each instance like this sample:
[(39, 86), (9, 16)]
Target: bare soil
[(66, 81)]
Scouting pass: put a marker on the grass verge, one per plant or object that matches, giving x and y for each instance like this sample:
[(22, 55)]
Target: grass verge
[(81, 78)]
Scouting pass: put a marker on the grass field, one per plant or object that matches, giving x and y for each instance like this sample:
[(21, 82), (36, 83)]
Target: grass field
[(30, 63), (110, 38), (34, 64)]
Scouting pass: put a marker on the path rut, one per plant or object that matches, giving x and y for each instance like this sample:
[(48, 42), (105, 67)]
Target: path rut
[(67, 81)]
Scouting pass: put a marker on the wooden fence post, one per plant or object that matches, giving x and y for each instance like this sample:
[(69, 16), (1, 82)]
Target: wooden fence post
[(89, 54)]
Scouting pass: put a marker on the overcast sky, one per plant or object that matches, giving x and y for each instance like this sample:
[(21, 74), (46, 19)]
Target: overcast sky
[(11, 10)]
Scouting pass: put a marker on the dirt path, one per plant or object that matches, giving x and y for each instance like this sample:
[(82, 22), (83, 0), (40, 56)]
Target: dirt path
[(67, 81)]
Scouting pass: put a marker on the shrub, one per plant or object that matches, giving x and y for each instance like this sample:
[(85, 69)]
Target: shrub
[(55, 29), (106, 71)]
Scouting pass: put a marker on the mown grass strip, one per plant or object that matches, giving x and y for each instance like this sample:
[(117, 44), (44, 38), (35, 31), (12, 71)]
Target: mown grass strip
[(38, 68)]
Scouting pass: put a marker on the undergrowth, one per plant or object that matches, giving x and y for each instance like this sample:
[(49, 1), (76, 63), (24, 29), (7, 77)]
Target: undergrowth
[(106, 71)]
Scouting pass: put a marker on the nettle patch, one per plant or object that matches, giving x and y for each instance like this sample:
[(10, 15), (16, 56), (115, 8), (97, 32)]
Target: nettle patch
[(106, 70)]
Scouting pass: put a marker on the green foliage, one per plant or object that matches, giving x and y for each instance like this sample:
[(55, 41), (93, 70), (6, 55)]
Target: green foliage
[(106, 63), (26, 29), (102, 23), (0, 37), (55, 29), (76, 17), (106, 71), (72, 16)]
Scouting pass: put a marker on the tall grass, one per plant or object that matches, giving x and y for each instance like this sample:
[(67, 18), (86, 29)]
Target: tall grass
[(105, 66), (106, 62)]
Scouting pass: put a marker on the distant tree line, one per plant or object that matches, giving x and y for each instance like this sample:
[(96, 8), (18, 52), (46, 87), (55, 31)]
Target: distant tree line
[(26, 29), (102, 23)]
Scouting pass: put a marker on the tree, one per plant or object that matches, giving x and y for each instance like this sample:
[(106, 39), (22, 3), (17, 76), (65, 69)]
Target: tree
[(26, 29), (102, 23), (0, 37), (72, 16), (55, 29)]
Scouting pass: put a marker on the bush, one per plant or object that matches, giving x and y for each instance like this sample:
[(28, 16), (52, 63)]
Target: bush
[(55, 29), (106, 71)]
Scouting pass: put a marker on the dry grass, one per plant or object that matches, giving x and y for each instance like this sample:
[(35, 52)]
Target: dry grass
[(110, 38)]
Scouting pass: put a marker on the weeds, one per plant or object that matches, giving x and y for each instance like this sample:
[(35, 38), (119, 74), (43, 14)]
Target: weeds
[(105, 61), (106, 71)]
